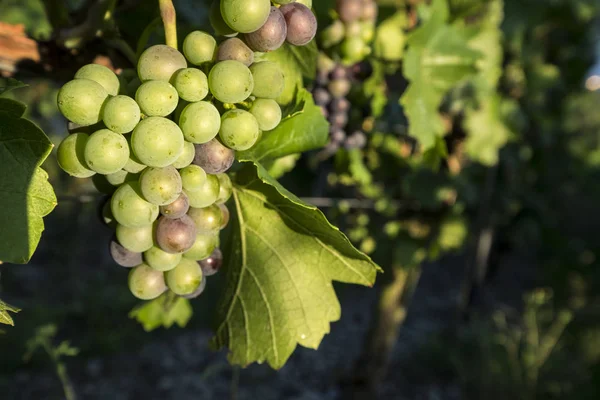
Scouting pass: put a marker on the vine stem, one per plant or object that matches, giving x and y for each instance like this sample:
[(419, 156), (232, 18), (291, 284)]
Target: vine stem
[(168, 15)]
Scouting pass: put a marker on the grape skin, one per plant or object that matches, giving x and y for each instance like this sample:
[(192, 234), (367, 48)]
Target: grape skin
[(121, 114), (106, 152), (206, 195), (157, 142), (200, 122), (130, 208), (185, 278), (230, 81), (71, 156), (120, 177), (137, 239), (193, 177), (161, 186), (102, 75), (176, 209), (217, 22), (211, 265), (81, 101), (157, 98), (271, 35), (160, 62), (245, 15), (175, 235), (187, 155), (235, 49), (268, 79), (191, 84), (267, 113), (301, 23), (123, 257), (225, 215), (199, 47), (203, 246), (146, 283), (225, 188), (196, 292), (207, 219), (239, 129), (161, 260), (213, 157)]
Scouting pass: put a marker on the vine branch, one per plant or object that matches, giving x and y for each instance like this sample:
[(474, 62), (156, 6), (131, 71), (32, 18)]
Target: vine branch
[(169, 17)]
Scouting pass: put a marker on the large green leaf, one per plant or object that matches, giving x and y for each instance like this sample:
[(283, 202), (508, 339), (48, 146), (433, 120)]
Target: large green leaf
[(302, 130), (8, 84), (5, 317), (297, 62), (164, 311), (26, 194), (283, 257), (437, 59)]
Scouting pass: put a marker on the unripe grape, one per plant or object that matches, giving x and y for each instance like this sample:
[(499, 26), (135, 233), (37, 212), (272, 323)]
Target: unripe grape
[(120, 177), (175, 235), (81, 101), (176, 209), (230, 81), (217, 22), (137, 239), (157, 98), (322, 97), (199, 47), (213, 157), (102, 75), (71, 156), (333, 34), (121, 114), (196, 292), (157, 142), (225, 188), (123, 257), (271, 35), (203, 246), (301, 23), (191, 84), (130, 208), (106, 152), (267, 113), (161, 260), (245, 15), (206, 195), (235, 49), (226, 215), (213, 263), (133, 164), (185, 278), (339, 87), (159, 63), (239, 129), (187, 155), (161, 186), (207, 219), (200, 122), (193, 177), (354, 49), (268, 79), (146, 283)]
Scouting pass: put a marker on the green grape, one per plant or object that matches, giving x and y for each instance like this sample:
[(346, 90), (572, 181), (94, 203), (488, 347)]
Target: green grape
[(191, 84), (161, 186), (159, 63), (161, 260), (367, 31), (81, 101), (354, 49), (245, 15), (267, 112), (193, 178), (230, 81), (106, 152), (101, 184), (157, 98), (136, 239), (206, 195), (203, 246), (282, 1), (200, 122), (157, 142), (130, 208), (121, 114), (225, 215), (307, 3), (146, 283), (71, 156), (235, 49), (239, 129), (225, 188), (187, 155), (333, 34), (120, 177), (133, 164), (184, 278), (216, 20), (89, 129), (207, 219), (268, 79), (102, 75), (199, 47)]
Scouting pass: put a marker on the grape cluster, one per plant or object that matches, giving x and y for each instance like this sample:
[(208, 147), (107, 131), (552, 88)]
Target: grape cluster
[(352, 30), (332, 86), (161, 141)]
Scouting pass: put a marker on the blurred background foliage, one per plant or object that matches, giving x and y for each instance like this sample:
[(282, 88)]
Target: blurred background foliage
[(510, 248)]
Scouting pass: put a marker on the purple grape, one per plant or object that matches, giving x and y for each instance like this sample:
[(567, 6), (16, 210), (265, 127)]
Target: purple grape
[(338, 135), (123, 257), (349, 10), (213, 263), (235, 49), (339, 120), (175, 235), (213, 157), (340, 105), (301, 23), (322, 97), (339, 72), (271, 35), (357, 140), (176, 209)]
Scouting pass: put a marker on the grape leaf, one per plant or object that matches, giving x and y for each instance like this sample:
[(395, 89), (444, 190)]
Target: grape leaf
[(8, 84), (164, 311), (284, 255), (13, 107), (26, 194), (301, 131), (438, 58), (5, 317), (297, 62)]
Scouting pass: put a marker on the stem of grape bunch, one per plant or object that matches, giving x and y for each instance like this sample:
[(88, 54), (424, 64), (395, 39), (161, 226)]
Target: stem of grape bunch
[(169, 17)]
